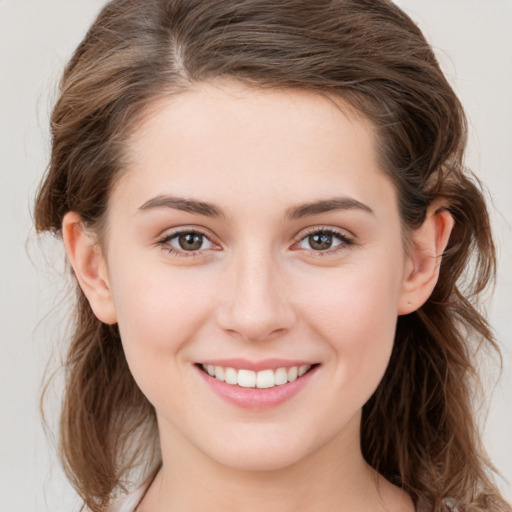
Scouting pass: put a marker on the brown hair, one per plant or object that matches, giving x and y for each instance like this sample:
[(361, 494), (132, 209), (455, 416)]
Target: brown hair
[(418, 429)]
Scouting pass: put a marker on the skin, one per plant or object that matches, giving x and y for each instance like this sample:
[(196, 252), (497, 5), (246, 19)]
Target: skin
[(257, 289)]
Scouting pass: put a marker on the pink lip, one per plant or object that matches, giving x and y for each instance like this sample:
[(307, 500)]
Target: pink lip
[(256, 366), (255, 398)]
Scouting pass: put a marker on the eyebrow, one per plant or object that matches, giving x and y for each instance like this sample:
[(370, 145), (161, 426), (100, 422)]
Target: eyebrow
[(326, 205), (297, 212), (182, 204)]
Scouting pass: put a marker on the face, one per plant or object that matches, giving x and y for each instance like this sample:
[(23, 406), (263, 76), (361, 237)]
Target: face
[(255, 237)]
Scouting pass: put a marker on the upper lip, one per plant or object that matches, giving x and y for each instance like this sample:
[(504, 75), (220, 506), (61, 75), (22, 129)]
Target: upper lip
[(263, 364)]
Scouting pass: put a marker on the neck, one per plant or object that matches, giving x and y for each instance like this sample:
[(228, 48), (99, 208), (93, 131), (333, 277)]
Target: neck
[(333, 478)]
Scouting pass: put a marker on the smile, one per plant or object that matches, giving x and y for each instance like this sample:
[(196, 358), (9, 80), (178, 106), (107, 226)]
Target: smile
[(256, 385), (262, 379)]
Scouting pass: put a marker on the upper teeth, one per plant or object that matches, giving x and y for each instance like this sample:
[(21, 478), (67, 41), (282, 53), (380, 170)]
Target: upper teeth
[(261, 379)]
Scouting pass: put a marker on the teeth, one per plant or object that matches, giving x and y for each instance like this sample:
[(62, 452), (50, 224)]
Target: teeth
[(246, 379), (220, 373), (303, 369), (262, 379), (265, 379), (281, 376), (230, 376), (292, 373)]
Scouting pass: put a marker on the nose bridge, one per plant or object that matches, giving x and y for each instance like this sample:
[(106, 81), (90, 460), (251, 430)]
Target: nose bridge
[(258, 305)]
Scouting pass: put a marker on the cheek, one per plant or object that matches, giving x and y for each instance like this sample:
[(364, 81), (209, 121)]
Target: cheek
[(356, 297), (158, 311), (356, 314)]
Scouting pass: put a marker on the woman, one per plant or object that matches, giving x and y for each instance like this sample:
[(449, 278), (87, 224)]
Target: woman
[(266, 211)]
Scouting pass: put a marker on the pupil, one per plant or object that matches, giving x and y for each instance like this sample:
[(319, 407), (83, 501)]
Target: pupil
[(320, 241), (191, 241)]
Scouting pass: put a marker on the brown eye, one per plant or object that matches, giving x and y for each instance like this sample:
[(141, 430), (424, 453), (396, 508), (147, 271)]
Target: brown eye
[(320, 241), (324, 240), (190, 241), (187, 242)]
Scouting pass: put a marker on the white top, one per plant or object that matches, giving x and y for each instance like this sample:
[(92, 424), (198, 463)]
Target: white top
[(129, 503)]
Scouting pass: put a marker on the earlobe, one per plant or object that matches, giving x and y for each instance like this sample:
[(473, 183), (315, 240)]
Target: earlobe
[(89, 266), (424, 259)]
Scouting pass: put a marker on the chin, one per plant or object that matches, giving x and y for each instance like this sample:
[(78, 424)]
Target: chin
[(264, 449), (259, 459)]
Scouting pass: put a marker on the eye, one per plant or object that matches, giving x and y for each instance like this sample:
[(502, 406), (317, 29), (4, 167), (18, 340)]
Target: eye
[(189, 241), (186, 242), (324, 240)]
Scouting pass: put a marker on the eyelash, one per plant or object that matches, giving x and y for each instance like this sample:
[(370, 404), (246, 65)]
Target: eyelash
[(165, 245), (345, 242)]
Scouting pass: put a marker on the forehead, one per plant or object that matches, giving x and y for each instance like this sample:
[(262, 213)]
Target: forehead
[(234, 108), (220, 140)]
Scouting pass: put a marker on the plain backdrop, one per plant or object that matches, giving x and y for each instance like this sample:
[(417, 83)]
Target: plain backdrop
[(473, 40)]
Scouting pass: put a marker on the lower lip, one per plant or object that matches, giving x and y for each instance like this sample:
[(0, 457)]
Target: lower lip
[(257, 398)]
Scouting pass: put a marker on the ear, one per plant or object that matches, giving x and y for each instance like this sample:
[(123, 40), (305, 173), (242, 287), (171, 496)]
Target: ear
[(424, 259), (86, 258)]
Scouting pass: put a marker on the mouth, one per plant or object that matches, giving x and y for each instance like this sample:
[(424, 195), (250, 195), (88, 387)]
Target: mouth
[(257, 385), (262, 379)]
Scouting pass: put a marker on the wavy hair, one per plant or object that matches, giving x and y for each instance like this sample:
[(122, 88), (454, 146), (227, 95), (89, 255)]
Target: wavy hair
[(419, 428)]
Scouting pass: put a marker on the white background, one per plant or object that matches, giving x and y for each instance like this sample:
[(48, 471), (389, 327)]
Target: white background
[(473, 39)]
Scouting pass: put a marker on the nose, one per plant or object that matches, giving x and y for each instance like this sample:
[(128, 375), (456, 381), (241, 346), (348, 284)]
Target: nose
[(256, 305)]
